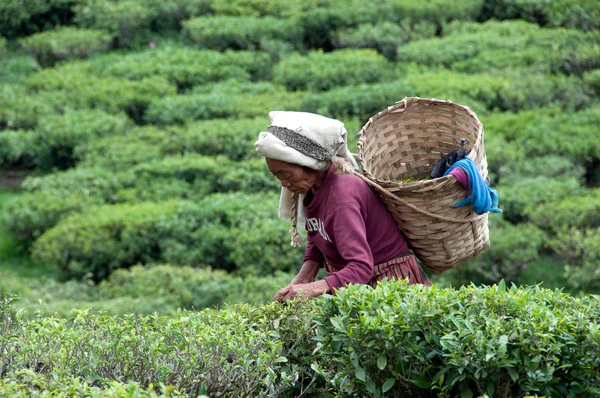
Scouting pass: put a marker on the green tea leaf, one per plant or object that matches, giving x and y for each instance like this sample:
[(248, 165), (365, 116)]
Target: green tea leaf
[(389, 383), (381, 362)]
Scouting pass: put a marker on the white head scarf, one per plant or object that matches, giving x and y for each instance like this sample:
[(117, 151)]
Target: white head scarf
[(305, 139)]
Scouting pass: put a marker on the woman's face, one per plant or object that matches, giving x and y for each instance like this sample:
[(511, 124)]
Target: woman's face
[(296, 178)]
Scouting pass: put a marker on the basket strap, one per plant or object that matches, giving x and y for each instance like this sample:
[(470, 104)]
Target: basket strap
[(380, 189)]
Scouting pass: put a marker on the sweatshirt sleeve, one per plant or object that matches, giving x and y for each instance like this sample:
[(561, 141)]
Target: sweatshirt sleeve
[(349, 235), (313, 253)]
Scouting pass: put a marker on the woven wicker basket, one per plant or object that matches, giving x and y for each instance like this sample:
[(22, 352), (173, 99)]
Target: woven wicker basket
[(404, 141)]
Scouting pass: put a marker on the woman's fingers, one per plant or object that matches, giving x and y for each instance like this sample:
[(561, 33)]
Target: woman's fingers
[(282, 293)]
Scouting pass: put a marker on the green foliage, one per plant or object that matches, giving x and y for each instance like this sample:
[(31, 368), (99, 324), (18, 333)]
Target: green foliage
[(2, 45), (514, 248), (189, 288), (222, 101), (581, 249), (240, 32), (17, 148), (65, 43), (14, 68), (522, 196), (233, 138), (475, 48), (592, 79), (34, 213), (110, 94), (57, 136), (385, 36), (362, 342), (20, 18), (27, 383), (185, 67), (360, 101), (473, 341), (205, 232), (579, 14), (547, 132), (126, 20), (121, 152), (21, 110), (318, 71), (577, 211)]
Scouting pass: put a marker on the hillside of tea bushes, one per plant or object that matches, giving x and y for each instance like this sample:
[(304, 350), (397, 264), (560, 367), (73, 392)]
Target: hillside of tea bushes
[(129, 184)]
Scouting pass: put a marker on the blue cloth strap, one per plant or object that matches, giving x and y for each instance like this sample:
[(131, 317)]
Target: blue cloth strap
[(483, 198)]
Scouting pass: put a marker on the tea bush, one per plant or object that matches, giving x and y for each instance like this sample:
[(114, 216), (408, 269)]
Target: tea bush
[(473, 341), (580, 249), (240, 32), (514, 249), (27, 383), (475, 48), (20, 109), (360, 101), (178, 232), (18, 18), (34, 213), (233, 138), (578, 211), (13, 69), (58, 136), (578, 14), (318, 71), (17, 148), (112, 95), (522, 196), (184, 67), (389, 341), (127, 20), (121, 152), (65, 43), (219, 103), (189, 288), (550, 132), (385, 36), (592, 80)]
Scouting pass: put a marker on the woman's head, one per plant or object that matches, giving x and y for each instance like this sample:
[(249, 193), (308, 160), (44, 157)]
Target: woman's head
[(297, 179)]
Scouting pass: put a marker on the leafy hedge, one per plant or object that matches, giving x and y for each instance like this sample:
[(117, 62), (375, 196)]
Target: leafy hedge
[(19, 109), (125, 20), (481, 47), (221, 101), (185, 67), (65, 43), (213, 231), (17, 148), (580, 14), (51, 198), (57, 136), (384, 36), (240, 32), (318, 71), (112, 95), (389, 341), (20, 18)]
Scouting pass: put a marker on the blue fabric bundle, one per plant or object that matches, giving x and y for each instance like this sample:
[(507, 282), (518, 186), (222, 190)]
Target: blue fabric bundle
[(483, 198)]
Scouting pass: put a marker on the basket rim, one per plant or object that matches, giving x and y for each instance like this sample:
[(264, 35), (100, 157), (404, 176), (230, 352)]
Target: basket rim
[(399, 107)]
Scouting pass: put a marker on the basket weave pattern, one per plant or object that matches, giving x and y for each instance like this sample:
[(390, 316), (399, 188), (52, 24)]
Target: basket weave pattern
[(404, 141)]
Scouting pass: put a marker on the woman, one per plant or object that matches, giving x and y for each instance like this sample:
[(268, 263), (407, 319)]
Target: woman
[(349, 230)]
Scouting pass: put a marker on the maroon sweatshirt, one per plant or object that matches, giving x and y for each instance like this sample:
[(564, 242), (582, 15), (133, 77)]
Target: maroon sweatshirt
[(349, 226)]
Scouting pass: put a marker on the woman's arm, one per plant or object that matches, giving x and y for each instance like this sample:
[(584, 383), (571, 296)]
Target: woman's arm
[(307, 273)]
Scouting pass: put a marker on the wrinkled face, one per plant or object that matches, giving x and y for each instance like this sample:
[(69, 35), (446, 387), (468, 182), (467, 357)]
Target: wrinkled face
[(296, 178)]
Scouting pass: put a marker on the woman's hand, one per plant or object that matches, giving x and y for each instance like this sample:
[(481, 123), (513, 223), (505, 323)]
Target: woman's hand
[(306, 290)]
